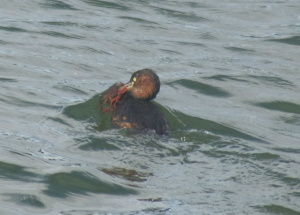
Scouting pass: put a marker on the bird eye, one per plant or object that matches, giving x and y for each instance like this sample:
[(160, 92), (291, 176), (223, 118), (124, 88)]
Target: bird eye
[(134, 79)]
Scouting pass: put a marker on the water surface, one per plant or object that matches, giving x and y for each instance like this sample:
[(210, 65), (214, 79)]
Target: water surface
[(230, 89)]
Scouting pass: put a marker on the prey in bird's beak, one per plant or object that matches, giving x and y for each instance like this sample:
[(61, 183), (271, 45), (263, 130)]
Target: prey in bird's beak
[(123, 89)]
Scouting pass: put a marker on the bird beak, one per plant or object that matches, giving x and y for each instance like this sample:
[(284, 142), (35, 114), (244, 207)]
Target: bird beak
[(125, 88)]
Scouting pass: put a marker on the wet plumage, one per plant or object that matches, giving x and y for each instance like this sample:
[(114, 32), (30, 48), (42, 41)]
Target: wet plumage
[(131, 104)]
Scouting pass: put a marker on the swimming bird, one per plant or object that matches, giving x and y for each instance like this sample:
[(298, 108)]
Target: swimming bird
[(131, 104)]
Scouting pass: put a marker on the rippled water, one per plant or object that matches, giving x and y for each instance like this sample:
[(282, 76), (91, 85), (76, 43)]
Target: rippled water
[(230, 90)]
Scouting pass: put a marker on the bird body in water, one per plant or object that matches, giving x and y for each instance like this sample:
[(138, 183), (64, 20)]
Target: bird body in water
[(131, 104)]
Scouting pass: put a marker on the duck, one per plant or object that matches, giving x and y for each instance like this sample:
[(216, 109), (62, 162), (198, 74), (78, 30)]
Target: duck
[(131, 105)]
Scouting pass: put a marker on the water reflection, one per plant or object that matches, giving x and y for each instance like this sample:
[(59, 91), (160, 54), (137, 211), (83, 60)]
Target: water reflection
[(25, 199), (16, 172), (62, 185), (282, 106), (127, 174), (295, 40), (202, 88)]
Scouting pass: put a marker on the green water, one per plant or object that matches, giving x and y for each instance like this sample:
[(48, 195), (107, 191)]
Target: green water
[(230, 83)]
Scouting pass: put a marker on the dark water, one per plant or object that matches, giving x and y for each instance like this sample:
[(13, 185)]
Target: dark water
[(230, 90)]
